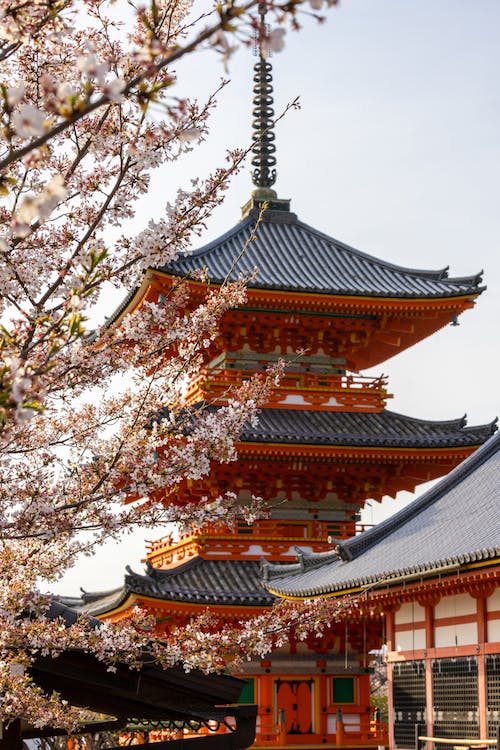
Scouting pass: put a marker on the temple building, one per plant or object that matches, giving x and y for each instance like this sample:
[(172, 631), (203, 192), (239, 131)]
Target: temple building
[(324, 444), (433, 570)]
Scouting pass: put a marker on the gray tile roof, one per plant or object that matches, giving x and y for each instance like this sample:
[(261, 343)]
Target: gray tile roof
[(456, 522), (291, 255), (198, 581), (385, 428)]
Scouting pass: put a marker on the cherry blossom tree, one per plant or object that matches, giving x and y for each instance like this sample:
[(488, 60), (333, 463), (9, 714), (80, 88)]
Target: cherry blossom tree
[(89, 106)]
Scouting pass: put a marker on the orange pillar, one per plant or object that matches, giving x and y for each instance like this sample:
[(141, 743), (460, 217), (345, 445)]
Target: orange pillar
[(482, 637), (339, 728), (429, 644), (390, 634), (266, 704)]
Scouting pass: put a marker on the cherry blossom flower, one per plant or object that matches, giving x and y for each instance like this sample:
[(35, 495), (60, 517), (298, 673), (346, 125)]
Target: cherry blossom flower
[(274, 42), (89, 65), (82, 447), (15, 94), (189, 135), (28, 121), (114, 89)]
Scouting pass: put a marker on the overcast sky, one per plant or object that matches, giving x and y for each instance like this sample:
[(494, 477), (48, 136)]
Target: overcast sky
[(395, 151)]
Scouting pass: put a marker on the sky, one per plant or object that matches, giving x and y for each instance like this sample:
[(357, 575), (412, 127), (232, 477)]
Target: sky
[(395, 151)]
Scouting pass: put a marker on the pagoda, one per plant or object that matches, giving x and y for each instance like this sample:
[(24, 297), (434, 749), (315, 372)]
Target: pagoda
[(324, 444)]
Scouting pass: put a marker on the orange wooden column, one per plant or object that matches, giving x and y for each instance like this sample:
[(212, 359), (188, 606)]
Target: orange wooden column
[(390, 636), (481, 596), (266, 703), (429, 644)]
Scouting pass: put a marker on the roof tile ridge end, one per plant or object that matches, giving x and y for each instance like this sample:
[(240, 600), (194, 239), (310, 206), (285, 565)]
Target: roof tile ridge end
[(490, 427), (270, 570), (162, 574), (460, 421), (309, 559), (440, 274), (359, 544)]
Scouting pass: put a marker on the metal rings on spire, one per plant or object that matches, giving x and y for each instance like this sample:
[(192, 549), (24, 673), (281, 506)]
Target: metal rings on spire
[(264, 148)]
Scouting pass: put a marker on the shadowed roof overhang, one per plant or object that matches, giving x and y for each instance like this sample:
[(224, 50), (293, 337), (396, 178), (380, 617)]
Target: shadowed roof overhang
[(391, 324), (150, 693)]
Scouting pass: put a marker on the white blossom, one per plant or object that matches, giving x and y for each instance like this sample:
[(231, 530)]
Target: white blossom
[(28, 121), (189, 134), (275, 42), (89, 65), (15, 94), (114, 90)]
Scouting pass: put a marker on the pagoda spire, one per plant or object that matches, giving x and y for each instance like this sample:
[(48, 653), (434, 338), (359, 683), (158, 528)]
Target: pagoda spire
[(264, 148)]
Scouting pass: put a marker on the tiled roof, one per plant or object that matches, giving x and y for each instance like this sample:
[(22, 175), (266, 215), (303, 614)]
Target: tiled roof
[(386, 428), (455, 523), (149, 692), (292, 256), (198, 581)]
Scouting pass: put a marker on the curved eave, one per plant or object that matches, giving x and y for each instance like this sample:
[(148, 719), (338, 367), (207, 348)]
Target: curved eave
[(397, 323), (288, 253), (462, 563), (180, 606), (328, 300), (133, 299), (353, 453), (122, 603)]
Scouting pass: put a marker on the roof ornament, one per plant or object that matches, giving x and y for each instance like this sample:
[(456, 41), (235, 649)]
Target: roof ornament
[(264, 148)]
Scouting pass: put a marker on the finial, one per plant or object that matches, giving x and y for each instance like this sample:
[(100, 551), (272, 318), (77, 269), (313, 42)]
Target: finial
[(264, 149)]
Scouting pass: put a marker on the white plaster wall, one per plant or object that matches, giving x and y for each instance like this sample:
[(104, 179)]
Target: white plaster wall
[(410, 612), (408, 640), (493, 631), (293, 398), (456, 635), (352, 722), (453, 606), (493, 601), (254, 549), (331, 724), (332, 401)]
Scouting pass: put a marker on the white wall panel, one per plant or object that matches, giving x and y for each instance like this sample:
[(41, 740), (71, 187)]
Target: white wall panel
[(456, 635)]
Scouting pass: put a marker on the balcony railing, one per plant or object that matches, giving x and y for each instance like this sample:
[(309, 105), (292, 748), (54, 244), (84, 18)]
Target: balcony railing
[(265, 529), (296, 389)]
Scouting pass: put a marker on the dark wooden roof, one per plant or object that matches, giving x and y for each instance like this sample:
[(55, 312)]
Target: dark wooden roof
[(149, 693), (292, 256), (197, 581), (454, 524), (385, 429)]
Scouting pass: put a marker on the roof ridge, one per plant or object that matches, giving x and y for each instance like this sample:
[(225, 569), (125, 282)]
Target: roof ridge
[(440, 274), (460, 421), (203, 250), (306, 560), (362, 542), (90, 596), (158, 574)]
